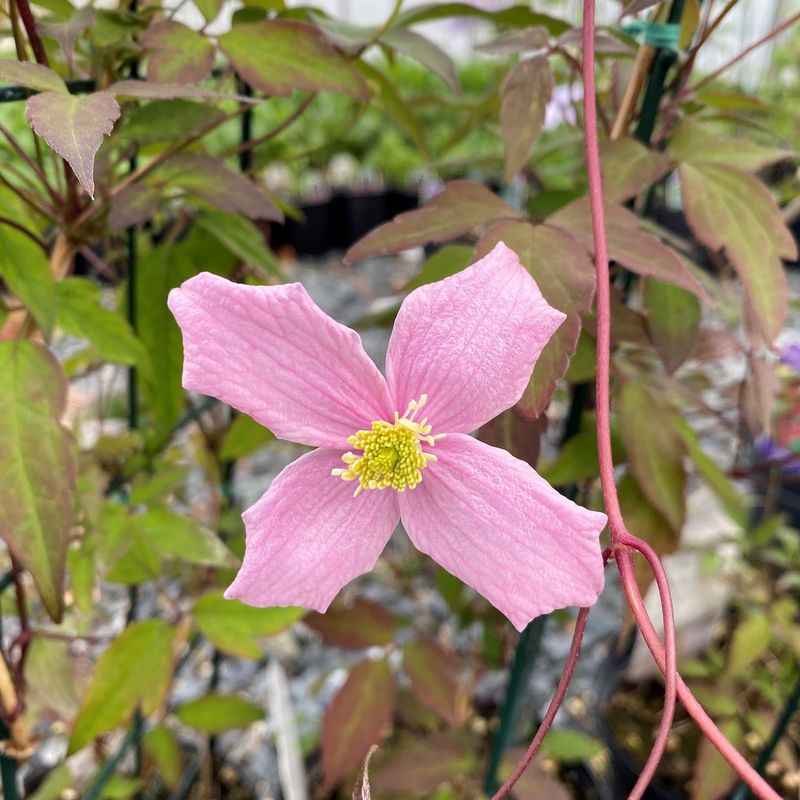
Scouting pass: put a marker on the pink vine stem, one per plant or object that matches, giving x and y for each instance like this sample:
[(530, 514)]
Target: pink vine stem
[(623, 543)]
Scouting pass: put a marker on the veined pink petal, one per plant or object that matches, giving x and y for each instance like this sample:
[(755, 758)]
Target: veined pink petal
[(271, 352), (308, 536), (490, 520), (470, 342)]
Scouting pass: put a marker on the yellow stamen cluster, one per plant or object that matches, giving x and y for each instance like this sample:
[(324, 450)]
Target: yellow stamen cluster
[(391, 452)]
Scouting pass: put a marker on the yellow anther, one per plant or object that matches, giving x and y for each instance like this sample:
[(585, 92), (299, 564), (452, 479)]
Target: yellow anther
[(391, 452)]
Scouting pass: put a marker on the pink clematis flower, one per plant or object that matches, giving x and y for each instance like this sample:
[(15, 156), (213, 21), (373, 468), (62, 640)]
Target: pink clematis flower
[(462, 351)]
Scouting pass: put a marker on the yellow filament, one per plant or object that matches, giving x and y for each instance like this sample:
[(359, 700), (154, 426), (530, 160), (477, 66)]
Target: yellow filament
[(391, 452)]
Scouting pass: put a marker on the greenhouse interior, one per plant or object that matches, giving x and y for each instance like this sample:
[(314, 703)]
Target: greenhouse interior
[(330, 336)]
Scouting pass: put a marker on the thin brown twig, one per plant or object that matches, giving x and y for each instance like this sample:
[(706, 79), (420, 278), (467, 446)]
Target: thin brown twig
[(20, 151), (787, 23), (22, 229)]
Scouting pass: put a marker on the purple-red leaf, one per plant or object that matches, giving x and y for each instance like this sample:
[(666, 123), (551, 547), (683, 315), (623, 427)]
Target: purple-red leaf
[(278, 57), (177, 53), (526, 92), (356, 626), (67, 32), (356, 718), (634, 249), (434, 675), (458, 209), (74, 127)]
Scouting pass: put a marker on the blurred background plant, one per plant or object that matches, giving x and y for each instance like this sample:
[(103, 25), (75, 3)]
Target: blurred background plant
[(137, 150)]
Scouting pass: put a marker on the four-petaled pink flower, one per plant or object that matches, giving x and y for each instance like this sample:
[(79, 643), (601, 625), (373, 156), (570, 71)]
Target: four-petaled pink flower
[(461, 352)]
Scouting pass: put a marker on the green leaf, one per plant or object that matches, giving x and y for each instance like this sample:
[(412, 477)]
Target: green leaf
[(444, 262), (751, 640), (235, 628), (565, 275), (655, 450), (161, 270), (356, 718), (430, 55), (432, 671), (459, 208), (569, 745), (629, 168), (36, 492), (54, 786), (673, 321), (713, 776), (356, 626), (525, 94), (177, 54), (177, 536), (280, 56), (710, 472), (50, 681), (517, 16), (166, 121), (731, 210), (396, 107), (244, 436), (241, 238), (81, 313), (577, 460), (129, 553), (133, 673), (695, 142), (74, 127), (162, 746), (25, 269), (31, 76), (215, 713)]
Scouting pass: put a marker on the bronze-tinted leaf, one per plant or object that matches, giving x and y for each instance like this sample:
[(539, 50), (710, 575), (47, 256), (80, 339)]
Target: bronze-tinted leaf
[(731, 210), (434, 675), (147, 90), (564, 273), (361, 791), (430, 55), (419, 768), (643, 519), (629, 168), (74, 127), (31, 76), (634, 249), (759, 391), (655, 450), (67, 32), (525, 40), (713, 776), (525, 94), (355, 626), (694, 142), (356, 718), (177, 54), (458, 209), (511, 431), (673, 320), (36, 492), (212, 180), (134, 205), (278, 57)]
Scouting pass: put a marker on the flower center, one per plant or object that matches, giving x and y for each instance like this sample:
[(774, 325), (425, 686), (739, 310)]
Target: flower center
[(391, 452)]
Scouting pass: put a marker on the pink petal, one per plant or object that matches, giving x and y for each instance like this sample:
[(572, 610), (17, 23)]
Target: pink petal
[(308, 536), (470, 342), (271, 352), (490, 520)]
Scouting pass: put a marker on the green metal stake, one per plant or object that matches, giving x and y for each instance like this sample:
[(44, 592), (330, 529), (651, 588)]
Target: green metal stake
[(789, 710), (527, 652)]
